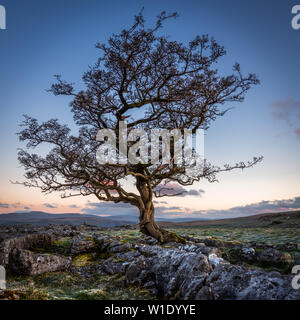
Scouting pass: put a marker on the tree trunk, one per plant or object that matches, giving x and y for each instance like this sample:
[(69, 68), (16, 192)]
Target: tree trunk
[(147, 222), (150, 228)]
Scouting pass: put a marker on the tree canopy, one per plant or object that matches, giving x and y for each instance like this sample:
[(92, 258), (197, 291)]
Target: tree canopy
[(151, 82)]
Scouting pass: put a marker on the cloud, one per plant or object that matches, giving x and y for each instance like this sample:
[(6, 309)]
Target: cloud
[(4, 205), (176, 189), (125, 209), (73, 206), (289, 111), (169, 189), (165, 211), (194, 192), (251, 209), (16, 205), (51, 206), (109, 208), (168, 212), (160, 202)]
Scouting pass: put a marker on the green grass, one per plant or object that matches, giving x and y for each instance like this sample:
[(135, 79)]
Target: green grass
[(66, 286), (60, 246), (273, 236), (83, 260)]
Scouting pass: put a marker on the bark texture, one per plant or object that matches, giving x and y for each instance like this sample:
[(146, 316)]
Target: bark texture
[(148, 226)]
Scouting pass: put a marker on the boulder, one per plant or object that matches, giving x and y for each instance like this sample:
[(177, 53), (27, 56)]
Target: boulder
[(215, 260), (103, 242), (110, 266), (127, 256), (25, 262), (176, 273), (138, 272), (38, 240), (297, 259), (238, 283), (273, 257), (180, 274), (121, 247), (80, 245), (212, 242)]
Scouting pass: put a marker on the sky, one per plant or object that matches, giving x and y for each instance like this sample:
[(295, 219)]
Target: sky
[(44, 38)]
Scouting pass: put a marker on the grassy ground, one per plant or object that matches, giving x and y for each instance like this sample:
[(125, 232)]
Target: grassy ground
[(66, 286), (272, 236)]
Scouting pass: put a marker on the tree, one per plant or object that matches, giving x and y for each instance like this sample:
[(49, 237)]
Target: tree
[(170, 84)]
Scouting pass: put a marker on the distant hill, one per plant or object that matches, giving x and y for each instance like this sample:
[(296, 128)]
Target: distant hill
[(289, 219), (44, 218), (283, 219)]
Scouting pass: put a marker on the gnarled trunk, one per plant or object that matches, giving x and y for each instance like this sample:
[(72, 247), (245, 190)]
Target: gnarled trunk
[(150, 228), (147, 222)]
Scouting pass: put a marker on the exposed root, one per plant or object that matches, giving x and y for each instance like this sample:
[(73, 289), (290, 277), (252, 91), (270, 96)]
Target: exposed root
[(160, 234)]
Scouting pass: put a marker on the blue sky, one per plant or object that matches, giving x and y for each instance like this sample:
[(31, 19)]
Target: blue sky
[(46, 37)]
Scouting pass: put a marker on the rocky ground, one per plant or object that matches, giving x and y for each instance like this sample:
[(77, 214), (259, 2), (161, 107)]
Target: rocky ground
[(86, 262)]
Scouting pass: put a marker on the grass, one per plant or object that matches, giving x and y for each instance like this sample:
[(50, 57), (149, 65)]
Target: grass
[(60, 246), (69, 286), (83, 260), (66, 286), (272, 236)]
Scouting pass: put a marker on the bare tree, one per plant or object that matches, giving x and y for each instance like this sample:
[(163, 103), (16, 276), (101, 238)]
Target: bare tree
[(151, 82)]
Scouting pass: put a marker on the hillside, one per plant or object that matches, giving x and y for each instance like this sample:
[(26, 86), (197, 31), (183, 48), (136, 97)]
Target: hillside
[(290, 219), (40, 218)]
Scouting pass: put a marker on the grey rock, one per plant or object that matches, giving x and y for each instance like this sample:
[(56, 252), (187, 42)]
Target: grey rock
[(80, 245), (272, 256), (215, 260), (171, 245), (238, 283), (150, 284), (149, 240), (212, 242), (138, 271), (25, 262), (201, 248), (297, 259), (121, 247), (174, 271), (127, 256), (247, 254), (102, 243), (205, 293), (215, 251), (248, 251), (109, 266), (180, 274), (38, 240)]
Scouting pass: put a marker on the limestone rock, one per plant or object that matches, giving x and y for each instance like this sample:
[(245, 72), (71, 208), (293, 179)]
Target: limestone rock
[(80, 245), (38, 240), (25, 262), (238, 283)]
